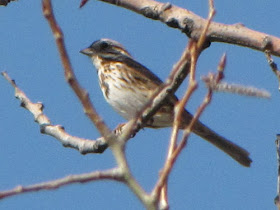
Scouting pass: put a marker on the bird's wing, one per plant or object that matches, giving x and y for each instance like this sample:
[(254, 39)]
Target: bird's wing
[(142, 70)]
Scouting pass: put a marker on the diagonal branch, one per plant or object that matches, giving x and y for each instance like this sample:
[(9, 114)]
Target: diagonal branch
[(84, 146), (70, 76)]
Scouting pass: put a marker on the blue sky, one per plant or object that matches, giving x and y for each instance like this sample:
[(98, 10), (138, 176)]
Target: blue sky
[(203, 177)]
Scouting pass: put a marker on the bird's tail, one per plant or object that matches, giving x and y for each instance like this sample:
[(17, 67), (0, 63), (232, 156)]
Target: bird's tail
[(236, 152)]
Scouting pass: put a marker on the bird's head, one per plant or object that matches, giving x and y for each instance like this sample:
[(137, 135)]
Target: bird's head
[(105, 48)]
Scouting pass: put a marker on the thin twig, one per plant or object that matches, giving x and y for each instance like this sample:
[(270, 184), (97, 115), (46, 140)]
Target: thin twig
[(161, 186), (201, 108), (112, 174), (235, 88)]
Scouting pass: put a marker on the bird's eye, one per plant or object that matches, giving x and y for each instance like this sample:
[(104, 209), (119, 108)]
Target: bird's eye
[(104, 45)]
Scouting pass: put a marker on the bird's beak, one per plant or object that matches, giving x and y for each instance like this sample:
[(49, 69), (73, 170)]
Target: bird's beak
[(87, 51)]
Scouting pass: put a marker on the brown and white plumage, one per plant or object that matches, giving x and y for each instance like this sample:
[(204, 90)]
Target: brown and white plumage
[(128, 86)]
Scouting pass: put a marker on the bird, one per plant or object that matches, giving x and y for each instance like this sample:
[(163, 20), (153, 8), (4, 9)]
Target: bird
[(128, 86)]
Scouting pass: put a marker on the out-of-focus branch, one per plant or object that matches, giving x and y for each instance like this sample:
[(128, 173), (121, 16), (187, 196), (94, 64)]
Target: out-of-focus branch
[(234, 88), (193, 25), (112, 174)]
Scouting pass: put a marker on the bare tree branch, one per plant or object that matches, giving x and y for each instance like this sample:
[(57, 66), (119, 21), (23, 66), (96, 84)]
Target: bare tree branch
[(84, 146), (112, 174), (192, 25)]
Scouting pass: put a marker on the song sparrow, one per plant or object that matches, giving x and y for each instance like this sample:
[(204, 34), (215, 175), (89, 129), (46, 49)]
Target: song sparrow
[(127, 86)]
